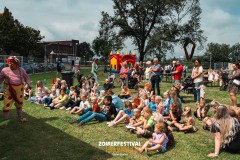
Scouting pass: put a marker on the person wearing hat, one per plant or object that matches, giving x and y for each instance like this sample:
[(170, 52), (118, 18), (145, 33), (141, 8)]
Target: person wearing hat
[(14, 77), (177, 74)]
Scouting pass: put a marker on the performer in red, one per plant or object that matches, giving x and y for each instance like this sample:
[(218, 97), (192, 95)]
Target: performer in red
[(14, 77)]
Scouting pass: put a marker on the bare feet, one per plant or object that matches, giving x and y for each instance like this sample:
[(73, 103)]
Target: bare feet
[(212, 155), (139, 149)]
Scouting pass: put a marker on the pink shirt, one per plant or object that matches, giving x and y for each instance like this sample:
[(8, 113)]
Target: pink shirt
[(14, 77), (124, 72)]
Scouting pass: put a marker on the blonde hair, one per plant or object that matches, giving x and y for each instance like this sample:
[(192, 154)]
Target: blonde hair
[(160, 127), (94, 99), (226, 124), (147, 109)]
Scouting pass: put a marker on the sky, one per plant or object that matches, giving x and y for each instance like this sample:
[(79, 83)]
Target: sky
[(79, 19)]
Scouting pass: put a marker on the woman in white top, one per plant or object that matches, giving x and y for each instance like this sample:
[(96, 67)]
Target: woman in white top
[(210, 75), (147, 71), (197, 78)]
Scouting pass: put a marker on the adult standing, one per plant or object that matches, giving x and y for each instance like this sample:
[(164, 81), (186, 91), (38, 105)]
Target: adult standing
[(185, 70), (234, 83), (123, 74), (59, 67), (155, 75), (197, 79), (177, 74), (14, 77), (94, 70), (141, 70), (147, 74)]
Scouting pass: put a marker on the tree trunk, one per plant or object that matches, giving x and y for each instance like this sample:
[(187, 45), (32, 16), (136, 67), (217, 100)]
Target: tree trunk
[(141, 55)]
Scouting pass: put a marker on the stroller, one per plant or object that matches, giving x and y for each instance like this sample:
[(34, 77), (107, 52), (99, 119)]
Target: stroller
[(225, 81), (187, 85), (111, 78), (132, 81)]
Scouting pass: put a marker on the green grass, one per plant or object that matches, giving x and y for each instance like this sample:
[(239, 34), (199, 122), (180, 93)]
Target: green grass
[(48, 135)]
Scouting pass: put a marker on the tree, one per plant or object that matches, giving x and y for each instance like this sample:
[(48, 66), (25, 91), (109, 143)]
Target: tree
[(173, 21), (85, 50), (235, 52), (218, 52), (15, 37), (108, 39)]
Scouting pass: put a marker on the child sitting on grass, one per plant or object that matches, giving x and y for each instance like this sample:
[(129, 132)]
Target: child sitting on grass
[(48, 100), (202, 110), (125, 93), (160, 108), (147, 129), (175, 114), (27, 92), (101, 97), (188, 123), (158, 142), (83, 107), (60, 100), (166, 103), (123, 115), (137, 119), (152, 104), (106, 113)]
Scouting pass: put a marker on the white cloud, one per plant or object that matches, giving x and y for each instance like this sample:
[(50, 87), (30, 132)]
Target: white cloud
[(78, 19)]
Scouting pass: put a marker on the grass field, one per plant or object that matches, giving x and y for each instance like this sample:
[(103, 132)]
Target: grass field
[(48, 135)]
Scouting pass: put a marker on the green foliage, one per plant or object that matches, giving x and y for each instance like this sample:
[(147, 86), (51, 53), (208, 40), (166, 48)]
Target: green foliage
[(85, 50), (157, 25), (48, 135), (218, 52), (108, 39), (15, 37)]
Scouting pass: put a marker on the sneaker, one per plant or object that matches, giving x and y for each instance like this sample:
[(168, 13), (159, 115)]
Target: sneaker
[(23, 120), (80, 123), (113, 124), (51, 108), (63, 107), (73, 121), (109, 122), (68, 109)]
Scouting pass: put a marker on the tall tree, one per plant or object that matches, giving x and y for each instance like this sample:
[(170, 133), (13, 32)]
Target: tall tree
[(85, 50), (108, 38), (174, 21), (218, 52), (16, 37), (235, 52)]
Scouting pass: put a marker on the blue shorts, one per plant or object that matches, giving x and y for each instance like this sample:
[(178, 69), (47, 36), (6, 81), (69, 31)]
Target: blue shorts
[(164, 149)]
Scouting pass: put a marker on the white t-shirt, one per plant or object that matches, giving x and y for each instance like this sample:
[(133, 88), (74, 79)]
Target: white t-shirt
[(196, 71), (84, 105)]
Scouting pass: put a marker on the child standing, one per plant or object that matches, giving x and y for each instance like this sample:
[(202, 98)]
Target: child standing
[(158, 142)]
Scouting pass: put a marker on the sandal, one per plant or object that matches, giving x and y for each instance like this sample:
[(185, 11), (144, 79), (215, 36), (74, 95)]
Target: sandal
[(23, 120)]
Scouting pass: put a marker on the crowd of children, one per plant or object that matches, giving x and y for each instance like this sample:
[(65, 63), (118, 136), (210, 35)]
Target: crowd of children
[(143, 113)]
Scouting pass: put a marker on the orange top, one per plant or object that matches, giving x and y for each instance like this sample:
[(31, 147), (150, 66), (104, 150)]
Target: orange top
[(96, 108), (125, 92)]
